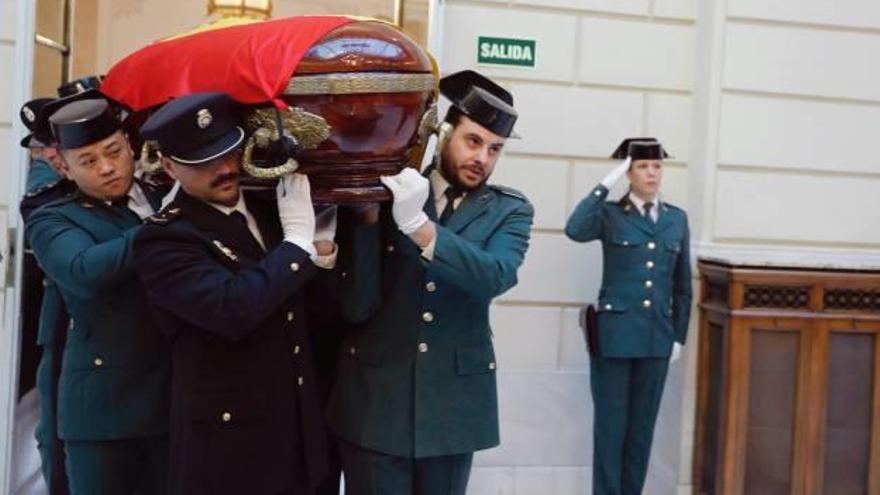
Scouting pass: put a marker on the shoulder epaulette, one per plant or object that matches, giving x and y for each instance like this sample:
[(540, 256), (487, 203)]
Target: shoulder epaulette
[(672, 206), (509, 191), (44, 188), (164, 217)]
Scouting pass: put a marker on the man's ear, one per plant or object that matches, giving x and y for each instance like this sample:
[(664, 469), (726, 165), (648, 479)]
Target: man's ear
[(168, 167), (61, 165)]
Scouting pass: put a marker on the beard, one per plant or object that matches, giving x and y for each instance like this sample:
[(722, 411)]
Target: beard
[(449, 171)]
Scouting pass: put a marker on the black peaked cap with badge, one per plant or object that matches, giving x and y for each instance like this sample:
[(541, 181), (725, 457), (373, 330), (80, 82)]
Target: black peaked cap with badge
[(642, 148), (197, 128), (482, 100), (82, 119), (80, 85), (33, 117)]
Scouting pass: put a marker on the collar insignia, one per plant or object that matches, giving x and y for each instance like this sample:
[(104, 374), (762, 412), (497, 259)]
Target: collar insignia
[(225, 250)]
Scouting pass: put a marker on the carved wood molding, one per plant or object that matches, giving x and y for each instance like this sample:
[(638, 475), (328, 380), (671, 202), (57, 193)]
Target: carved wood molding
[(777, 296)]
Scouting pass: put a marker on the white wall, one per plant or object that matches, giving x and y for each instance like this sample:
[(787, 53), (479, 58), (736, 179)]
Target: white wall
[(791, 113), (128, 25), (605, 70)]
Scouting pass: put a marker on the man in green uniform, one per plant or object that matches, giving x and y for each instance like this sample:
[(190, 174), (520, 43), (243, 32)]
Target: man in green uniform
[(643, 311), (415, 395), (114, 385)]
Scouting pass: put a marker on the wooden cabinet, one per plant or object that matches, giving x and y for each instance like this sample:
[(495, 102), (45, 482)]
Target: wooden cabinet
[(788, 398)]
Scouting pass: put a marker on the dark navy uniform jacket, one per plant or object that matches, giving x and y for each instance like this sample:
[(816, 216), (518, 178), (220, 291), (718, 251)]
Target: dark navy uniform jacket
[(245, 414), (645, 300)]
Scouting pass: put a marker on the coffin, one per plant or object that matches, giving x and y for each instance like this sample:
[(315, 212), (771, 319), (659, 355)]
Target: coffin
[(358, 96)]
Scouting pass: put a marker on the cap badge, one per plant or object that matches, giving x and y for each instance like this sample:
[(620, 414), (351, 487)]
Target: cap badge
[(204, 118), (29, 114)]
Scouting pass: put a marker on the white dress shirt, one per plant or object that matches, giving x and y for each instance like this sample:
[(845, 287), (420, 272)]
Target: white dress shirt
[(138, 203), (241, 207), (640, 205), (326, 262), (439, 185)]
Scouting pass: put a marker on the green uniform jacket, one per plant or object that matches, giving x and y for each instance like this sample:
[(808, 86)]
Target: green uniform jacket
[(44, 185), (645, 300), (417, 377), (115, 374)]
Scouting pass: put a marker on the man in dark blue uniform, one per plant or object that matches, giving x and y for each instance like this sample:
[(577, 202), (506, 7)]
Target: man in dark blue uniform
[(113, 390), (643, 311), (228, 274), (43, 309), (415, 395)]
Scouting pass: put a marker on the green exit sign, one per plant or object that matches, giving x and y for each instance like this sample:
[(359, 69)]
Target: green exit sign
[(516, 52)]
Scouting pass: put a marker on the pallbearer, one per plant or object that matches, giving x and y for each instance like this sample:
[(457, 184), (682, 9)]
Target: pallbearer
[(415, 395), (113, 390)]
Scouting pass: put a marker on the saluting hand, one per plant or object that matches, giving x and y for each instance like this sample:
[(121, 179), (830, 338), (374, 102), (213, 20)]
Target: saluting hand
[(616, 173), (296, 212), (410, 191)]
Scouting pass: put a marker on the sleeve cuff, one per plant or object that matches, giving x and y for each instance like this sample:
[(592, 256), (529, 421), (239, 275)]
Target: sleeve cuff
[(428, 251), (326, 261)]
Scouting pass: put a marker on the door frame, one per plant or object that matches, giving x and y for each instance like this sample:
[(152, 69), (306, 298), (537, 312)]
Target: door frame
[(22, 82)]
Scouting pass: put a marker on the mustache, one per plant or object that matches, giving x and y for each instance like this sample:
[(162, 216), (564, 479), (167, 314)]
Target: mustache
[(223, 179)]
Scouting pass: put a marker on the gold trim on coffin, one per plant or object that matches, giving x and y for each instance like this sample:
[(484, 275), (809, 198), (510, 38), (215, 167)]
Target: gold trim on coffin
[(359, 82), (307, 129)]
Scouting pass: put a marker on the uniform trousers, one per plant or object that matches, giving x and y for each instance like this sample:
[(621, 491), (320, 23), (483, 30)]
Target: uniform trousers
[(373, 473), (626, 399), (50, 447), (135, 466)]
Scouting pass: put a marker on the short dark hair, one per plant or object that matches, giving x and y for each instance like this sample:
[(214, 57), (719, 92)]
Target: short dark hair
[(453, 116)]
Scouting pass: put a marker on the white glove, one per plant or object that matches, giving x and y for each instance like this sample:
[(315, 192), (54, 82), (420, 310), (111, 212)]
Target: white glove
[(296, 212), (410, 190), (616, 173), (676, 352), (325, 224)]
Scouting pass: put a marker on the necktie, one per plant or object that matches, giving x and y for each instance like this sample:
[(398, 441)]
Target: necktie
[(648, 216), (452, 193), (239, 218)]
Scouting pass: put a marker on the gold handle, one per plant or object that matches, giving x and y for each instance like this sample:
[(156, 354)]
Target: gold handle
[(264, 173)]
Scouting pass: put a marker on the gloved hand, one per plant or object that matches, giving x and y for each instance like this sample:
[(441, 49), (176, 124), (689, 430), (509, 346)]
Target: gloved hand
[(325, 224), (296, 212), (676, 352), (616, 173), (410, 190)]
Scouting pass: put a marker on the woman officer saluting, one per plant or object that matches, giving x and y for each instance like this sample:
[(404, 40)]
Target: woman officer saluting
[(643, 311)]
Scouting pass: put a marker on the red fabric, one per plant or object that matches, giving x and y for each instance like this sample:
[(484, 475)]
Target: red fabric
[(251, 62)]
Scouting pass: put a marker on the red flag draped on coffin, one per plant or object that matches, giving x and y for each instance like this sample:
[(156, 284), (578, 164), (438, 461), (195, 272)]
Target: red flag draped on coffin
[(251, 62)]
